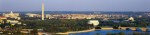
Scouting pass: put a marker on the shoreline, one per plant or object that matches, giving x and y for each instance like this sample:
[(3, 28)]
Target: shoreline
[(66, 33), (76, 31), (86, 30)]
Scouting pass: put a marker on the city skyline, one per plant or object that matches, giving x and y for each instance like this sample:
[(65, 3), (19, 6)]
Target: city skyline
[(74, 17), (75, 5)]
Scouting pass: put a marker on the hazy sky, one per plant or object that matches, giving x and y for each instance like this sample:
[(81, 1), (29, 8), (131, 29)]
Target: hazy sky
[(75, 5)]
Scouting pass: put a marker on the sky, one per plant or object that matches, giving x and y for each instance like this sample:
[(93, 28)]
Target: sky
[(75, 5)]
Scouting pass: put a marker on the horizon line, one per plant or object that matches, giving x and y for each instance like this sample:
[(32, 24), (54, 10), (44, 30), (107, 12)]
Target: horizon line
[(77, 11)]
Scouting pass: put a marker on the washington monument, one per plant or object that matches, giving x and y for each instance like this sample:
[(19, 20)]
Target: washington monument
[(43, 10)]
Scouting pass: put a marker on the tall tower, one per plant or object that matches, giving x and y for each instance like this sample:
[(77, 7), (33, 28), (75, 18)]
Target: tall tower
[(43, 10)]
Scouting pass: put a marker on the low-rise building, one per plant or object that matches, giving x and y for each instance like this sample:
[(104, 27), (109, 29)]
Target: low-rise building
[(94, 22), (33, 15), (2, 18)]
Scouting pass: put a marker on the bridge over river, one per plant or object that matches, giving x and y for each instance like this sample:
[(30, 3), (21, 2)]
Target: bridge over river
[(134, 28), (129, 28)]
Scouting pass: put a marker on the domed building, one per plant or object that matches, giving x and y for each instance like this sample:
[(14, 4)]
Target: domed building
[(94, 22), (131, 19), (12, 15)]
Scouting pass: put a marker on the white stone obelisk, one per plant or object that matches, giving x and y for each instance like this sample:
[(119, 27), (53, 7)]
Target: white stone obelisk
[(43, 10)]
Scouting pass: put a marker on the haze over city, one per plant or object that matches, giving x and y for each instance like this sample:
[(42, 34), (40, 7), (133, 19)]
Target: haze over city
[(75, 5), (74, 17)]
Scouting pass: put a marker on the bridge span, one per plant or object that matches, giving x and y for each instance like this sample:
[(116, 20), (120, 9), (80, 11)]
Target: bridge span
[(134, 28)]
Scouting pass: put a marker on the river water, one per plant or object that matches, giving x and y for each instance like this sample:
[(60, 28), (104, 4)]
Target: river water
[(104, 32)]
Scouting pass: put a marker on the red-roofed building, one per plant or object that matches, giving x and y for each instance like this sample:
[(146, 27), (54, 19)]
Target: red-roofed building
[(2, 18)]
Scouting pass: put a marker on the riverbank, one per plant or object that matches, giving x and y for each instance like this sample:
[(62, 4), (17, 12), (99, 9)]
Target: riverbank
[(123, 28), (85, 31), (66, 33)]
